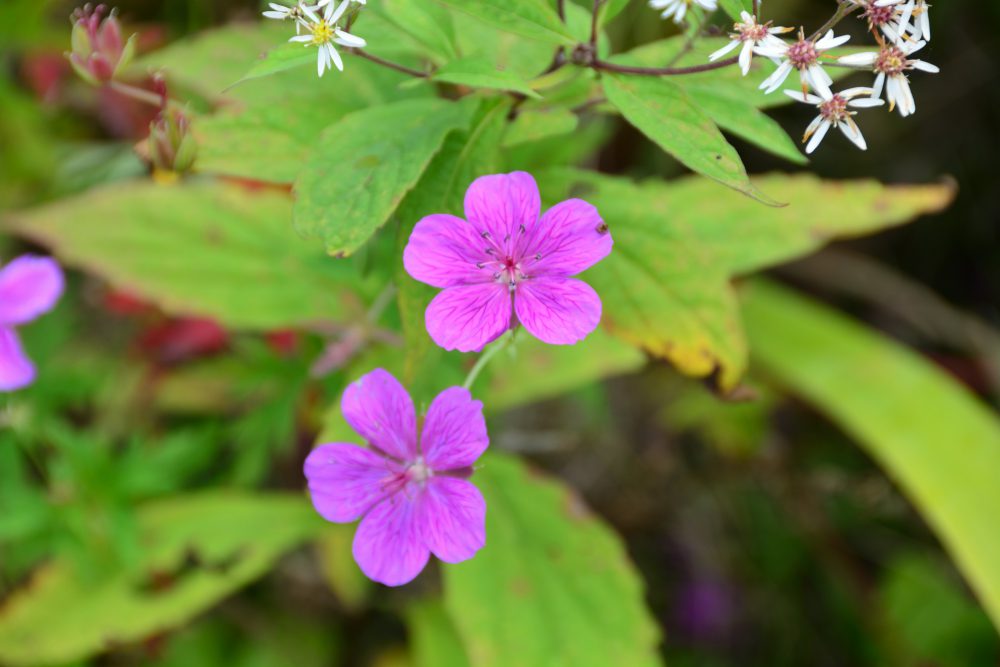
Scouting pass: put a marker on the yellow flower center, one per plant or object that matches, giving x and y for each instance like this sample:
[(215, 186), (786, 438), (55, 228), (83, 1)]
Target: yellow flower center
[(322, 33)]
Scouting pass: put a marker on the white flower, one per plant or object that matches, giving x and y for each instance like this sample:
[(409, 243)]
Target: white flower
[(679, 8), (834, 112), (324, 33), (917, 9), (751, 35), (804, 56), (890, 64), (282, 12)]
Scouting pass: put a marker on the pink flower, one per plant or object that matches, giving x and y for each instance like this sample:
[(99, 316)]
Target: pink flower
[(412, 495), (508, 261), (29, 287)]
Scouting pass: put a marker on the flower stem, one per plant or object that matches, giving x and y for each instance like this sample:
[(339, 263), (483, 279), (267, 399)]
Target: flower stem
[(501, 344), (843, 11), (391, 65), (136, 93), (605, 66)]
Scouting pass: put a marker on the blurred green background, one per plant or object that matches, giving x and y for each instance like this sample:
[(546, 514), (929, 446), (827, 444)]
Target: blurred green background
[(765, 536)]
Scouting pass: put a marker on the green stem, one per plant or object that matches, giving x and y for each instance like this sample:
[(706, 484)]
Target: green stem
[(144, 96), (501, 344)]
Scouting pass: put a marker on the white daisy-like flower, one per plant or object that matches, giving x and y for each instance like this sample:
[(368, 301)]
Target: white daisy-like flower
[(918, 10), (678, 9), (890, 65), (285, 12), (835, 111), (890, 20), (751, 35), (324, 34), (803, 55)]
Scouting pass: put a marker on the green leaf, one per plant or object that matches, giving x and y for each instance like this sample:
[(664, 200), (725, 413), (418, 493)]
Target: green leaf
[(433, 639), (269, 141), (662, 111), (279, 59), (426, 23), (734, 7), (734, 115), (929, 618), (933, 437), (534, 19), (481, 72), (560, 588), (551, 371), (465, 157), (531, 125), (203, 248), (611, 9), (666, 285), (197, 550), (364, 165)]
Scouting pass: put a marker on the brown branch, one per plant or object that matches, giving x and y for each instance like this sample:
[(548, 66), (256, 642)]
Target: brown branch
[(605, 66), (391, 65)]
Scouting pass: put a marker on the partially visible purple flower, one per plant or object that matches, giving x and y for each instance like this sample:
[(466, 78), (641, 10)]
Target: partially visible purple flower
[(412, 494), (29, 287), (507, 259)]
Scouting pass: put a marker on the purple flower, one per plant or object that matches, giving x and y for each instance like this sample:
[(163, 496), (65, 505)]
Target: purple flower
[(412, 495), (29, 287), (507, 260)]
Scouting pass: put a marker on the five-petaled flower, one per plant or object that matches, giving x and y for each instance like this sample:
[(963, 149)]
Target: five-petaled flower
[(29, 286), (507, 260), (412, 493)]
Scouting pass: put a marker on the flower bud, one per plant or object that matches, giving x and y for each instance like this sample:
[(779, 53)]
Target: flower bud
[(172, 147), (99, 53)]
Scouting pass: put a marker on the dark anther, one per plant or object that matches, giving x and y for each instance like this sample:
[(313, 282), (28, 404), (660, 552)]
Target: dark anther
[(485, 235), (490, 251), (506, 239), (602, 228), (479, 265), (538, 257), (522, 229), (496, 276)]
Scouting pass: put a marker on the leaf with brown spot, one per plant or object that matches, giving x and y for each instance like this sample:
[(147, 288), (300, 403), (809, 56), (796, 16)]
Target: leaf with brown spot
[(666, 285)]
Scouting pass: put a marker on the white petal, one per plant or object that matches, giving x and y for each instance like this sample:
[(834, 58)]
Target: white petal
[(746, 56), (821, 131), (724, 50), (878, 85), (773, 82), (859, 59), (850, 130), (819, 80), (302, 39), (806, 98), (924, 66), (335, 57), (865, 103), (347, 39), (275, 15)]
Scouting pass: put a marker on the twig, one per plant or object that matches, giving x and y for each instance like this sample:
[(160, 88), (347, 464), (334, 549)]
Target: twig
[(593, 24), (662, 71), (561, 9), (756, 9), (391, 65), (136, 93), (843, 11)]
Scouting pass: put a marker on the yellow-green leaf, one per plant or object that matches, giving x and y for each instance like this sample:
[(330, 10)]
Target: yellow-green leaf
[(553, 586), (196, 551), (933, 437), (666, 285)]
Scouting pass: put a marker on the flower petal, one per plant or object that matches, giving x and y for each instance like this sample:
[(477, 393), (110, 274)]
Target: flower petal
[(501, 203), (381, 411), (570, 238), (29, 286), (388, 546), (454, 433), (16, 370), (558, 311), (444, 251), (468, 317), (452, 518), (345, 480)]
